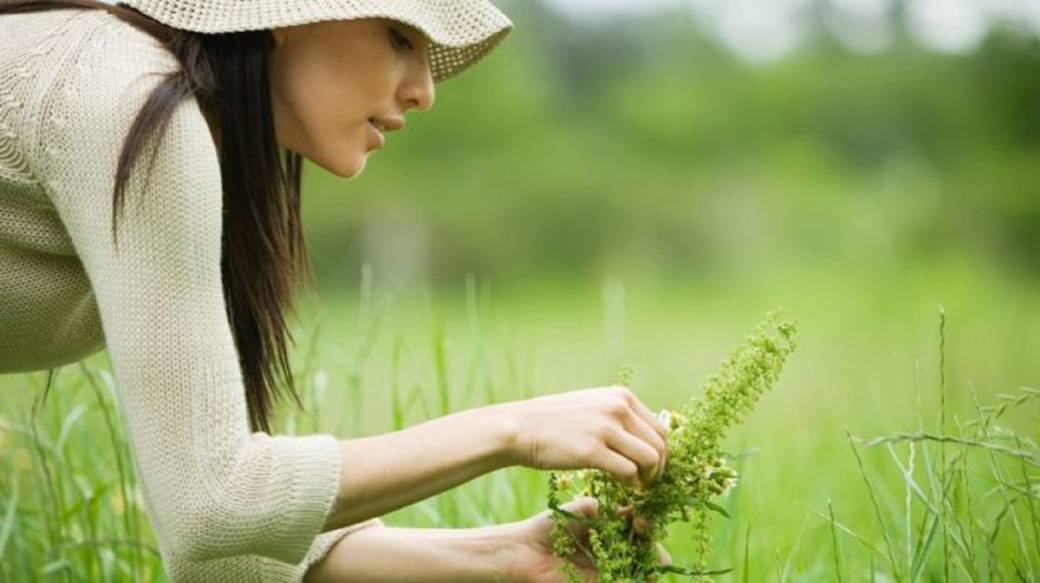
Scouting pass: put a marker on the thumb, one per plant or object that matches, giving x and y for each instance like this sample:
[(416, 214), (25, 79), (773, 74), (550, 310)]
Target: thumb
[(585, 506)]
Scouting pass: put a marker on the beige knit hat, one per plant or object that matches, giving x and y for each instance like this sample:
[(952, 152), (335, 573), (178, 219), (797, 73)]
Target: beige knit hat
[(460, 32)]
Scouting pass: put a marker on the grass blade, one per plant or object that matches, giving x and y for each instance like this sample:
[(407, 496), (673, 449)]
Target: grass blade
[(942, 444), (877, 510), (9, 513), (747, 556), (834, 542)]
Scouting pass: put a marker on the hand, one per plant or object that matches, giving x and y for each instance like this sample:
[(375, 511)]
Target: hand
[(533, 560), (605, 428)]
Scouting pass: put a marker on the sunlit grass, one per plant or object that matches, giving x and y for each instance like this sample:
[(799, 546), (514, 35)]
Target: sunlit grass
[(844, 478)]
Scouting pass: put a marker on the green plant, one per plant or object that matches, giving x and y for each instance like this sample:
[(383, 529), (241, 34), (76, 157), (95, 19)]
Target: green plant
[(623, 545)]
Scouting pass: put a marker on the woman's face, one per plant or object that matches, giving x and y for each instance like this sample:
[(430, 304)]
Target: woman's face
[(331, 80)]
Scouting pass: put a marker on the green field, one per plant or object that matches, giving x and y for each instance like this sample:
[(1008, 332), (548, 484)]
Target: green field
[(632, 192), (868, 364)]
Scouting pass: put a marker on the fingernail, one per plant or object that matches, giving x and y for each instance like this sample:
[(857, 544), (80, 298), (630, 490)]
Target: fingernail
[(665, 417)]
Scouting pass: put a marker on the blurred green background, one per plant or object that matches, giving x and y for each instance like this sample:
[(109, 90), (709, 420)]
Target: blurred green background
[(656, 143)]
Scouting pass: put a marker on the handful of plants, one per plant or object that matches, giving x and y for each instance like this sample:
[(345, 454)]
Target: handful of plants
[(623, 542)]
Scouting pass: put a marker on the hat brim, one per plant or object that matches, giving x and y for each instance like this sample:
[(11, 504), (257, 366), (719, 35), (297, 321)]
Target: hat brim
[(460, 32)]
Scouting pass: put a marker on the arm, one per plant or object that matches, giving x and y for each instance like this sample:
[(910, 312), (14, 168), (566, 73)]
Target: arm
[(213, 489), (416, 555), (255, 568), (382, 473), (385, 472)]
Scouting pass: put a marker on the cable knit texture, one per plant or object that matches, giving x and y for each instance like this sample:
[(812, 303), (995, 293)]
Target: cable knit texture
[(225, 504)]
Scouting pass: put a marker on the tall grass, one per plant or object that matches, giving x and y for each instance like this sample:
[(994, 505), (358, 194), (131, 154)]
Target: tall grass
[(953, 498), (965, 500)]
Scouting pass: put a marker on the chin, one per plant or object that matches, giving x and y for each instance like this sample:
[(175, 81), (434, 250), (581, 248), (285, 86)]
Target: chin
[(345, 167)]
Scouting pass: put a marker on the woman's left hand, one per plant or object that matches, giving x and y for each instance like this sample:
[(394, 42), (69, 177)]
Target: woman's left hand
[(533, 558)]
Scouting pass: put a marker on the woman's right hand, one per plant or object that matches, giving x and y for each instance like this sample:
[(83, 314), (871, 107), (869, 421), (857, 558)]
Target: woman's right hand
[(605, 428)]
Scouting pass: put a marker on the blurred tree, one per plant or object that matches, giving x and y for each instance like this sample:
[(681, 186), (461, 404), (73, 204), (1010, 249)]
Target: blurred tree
[(585, 147)]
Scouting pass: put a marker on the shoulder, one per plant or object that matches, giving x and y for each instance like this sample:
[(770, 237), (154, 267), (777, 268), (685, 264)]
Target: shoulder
[(86, 113), (59, 65), (107, 58), (53, 41)]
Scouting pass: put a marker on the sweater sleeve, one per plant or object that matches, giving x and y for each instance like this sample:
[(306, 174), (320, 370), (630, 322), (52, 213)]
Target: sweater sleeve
[(213, 489), (257, 569)]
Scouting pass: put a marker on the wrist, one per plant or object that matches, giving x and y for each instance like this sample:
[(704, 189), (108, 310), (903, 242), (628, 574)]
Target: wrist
[(506, 553), (502, 431)]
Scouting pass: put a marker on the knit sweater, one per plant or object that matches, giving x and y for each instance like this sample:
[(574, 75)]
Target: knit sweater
[(226, 504)]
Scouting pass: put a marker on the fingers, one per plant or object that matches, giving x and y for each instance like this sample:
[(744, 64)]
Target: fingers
[(645, 424), (620, 466), (649, 417), (641, 429), (640, 454), (583, 506)]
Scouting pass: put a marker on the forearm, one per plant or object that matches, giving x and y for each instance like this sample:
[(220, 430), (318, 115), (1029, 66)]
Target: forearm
[(382, 473), (417, 555)]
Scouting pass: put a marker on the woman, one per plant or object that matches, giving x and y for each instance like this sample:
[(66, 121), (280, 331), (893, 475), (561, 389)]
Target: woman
[(149, 203)]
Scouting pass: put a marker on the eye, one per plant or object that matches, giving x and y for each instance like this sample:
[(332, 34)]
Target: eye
[(399, 39)]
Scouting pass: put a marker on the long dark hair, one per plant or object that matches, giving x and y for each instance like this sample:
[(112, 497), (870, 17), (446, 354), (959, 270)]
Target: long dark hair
[(263, 255)]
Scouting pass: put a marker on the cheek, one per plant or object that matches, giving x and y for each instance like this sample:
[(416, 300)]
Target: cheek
[(322, 94), (325, 106)]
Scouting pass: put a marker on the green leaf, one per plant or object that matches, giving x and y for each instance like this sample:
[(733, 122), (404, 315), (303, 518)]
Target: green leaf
[(713, 506), (691, 571)]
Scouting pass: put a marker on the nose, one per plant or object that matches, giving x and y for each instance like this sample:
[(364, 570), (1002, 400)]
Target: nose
[(418, 91)]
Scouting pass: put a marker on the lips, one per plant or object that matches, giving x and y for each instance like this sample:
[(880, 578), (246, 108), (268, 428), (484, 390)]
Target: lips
[(377, 135)]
